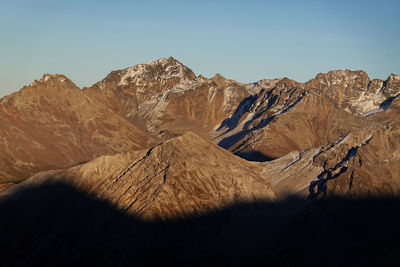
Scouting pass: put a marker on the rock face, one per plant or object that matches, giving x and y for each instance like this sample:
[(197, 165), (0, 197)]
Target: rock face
[(392, 86), (354, 91), (286, 118), (344, 87), (165, 98), (183, 176), (363, 163)]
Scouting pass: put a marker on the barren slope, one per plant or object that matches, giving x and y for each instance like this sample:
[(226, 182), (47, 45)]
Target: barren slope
[(283, 116), (364, 163), (185, 175), (52, 124), (283, 119), (367, 163)]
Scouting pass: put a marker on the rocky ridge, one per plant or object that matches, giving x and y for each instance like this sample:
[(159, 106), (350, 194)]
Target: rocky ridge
[(173, 179), (52, 124)]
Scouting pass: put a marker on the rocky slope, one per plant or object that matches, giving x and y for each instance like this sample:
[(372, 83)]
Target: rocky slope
[(355, 92), (269, 123), (266, 125), (185, 175), (52, 124), (165, 98), (360, 164)]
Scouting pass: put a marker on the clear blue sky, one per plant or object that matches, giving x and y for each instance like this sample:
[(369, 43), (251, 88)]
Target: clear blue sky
[(243, 40)]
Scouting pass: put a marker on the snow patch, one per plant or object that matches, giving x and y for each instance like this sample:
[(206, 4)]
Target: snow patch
[(211, 93), (372, 112), (229, 97), (101, 85), (367, 104), (5, 99), (162, 69), (343, 139)]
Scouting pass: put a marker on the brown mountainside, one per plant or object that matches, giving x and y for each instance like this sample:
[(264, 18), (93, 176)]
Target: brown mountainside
[(165, 98), (182, 176), (52, 124), (360, 164), (286, 118)]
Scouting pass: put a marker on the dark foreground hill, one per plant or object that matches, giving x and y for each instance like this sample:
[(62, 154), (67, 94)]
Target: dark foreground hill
[(55, 224)]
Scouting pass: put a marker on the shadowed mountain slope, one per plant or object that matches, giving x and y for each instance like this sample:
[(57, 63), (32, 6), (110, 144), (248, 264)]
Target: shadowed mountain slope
[(283, 119)]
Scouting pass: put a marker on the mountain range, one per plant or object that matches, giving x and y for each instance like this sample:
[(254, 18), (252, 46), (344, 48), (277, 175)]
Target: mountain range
[(157, 142)]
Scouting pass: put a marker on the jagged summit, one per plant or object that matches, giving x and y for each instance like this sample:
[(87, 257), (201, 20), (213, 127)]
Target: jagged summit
[(351, 90), (392, 88), (162, 71), (52, 78), (343, 74), (48, 76)]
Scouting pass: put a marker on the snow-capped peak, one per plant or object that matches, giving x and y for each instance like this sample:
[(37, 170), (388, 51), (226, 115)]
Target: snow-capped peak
[(162, 69)]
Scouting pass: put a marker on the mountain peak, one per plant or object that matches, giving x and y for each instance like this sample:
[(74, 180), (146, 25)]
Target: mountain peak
[(220, 80), (48, 76), (392, 88), (218, 76), (51, 78), (343, 75), (158, 70), (393, 77), (340, 80)]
